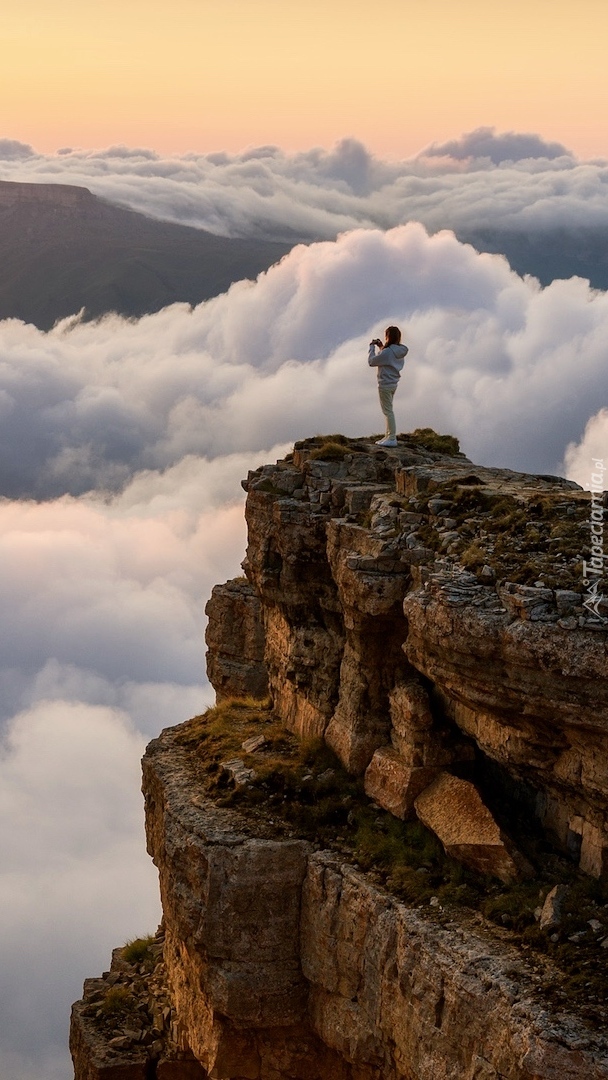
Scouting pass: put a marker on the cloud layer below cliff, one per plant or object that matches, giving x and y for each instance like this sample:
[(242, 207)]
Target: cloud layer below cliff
[(102, 626), (514, 370), (472, 182), (132, 438)]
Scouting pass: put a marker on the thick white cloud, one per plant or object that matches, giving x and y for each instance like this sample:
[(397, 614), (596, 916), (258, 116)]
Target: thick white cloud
[(102, 594), (512, 369), (581, 459), (513, 181), (102, 601), (74, 869), (101, 620)]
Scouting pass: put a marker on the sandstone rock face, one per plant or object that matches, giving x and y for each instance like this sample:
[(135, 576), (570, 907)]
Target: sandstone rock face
[(284, 963), (234, 897), (454, 810), (422, 616), (532, 696), (235, 642), (231, 903), (404, 998), (371, 579), (377, 637), (288, 569), (394, 784)]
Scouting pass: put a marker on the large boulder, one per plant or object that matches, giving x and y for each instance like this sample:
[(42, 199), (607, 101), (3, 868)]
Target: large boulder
[(454, 810)]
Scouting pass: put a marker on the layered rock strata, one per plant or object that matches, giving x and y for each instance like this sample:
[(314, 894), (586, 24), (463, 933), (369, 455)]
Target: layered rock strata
[(285, 963), (424, 617), (392, 629), (235, 640), (125, 1028)]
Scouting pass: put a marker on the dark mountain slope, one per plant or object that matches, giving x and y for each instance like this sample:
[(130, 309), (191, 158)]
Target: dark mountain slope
[(554, 253), (63, 249)]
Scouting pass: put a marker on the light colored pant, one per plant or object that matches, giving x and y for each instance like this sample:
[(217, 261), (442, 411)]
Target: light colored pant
[(386, 394)]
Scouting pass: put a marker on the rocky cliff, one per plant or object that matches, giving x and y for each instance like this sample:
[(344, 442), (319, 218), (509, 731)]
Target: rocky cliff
[(394, 868)]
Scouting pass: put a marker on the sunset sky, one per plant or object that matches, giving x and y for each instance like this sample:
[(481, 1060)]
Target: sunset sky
[(209, 74), (123, 442)]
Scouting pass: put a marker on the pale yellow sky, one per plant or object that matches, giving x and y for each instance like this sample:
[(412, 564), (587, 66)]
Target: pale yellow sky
[(224, 74)]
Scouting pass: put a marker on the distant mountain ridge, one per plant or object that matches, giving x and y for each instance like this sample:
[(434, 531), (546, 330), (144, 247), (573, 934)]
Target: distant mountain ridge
[(559, 252), (63, 249)]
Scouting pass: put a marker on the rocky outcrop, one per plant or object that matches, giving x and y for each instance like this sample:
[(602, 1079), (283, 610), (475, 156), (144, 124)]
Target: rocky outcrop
[(241, 906), (423, 618), (125, 1028), (455, 812), (430, 610), (532, 695), (235, 642), (286, 963), (403, 997)]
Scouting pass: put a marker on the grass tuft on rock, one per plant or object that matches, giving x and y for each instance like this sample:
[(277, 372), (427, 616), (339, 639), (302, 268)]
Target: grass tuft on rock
[(139, 950), (117, 1002), (430, 440), (330, 451)]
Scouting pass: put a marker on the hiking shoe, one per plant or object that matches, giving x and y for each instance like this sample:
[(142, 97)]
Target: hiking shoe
[(387, 442)]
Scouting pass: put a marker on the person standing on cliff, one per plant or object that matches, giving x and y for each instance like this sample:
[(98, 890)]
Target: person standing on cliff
[(389, 362)]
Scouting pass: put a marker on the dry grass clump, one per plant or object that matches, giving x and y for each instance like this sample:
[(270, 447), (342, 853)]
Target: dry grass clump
[(331, 447), (220, 732), (119, 1001), (330, 451), (473, 557), (139, 950), (428, 439), (336, 438)]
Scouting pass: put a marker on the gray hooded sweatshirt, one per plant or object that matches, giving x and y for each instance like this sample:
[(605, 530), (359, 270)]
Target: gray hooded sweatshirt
[(389, 362)]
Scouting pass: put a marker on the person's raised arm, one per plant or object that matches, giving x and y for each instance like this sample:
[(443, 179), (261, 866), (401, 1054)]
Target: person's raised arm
[(373, 355)]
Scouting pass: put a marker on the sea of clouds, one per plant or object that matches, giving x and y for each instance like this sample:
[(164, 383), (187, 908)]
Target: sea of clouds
[(518, 182), (122, 446)]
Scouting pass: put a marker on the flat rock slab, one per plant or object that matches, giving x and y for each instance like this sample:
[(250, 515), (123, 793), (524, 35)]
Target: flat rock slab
[(453, 809)]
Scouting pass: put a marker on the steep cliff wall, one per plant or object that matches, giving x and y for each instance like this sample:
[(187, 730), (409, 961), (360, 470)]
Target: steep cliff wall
[(285, 962), (423, 619), (411, 600)]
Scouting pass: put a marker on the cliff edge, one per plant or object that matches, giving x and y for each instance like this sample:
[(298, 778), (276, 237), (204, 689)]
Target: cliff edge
[(392, 867)]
